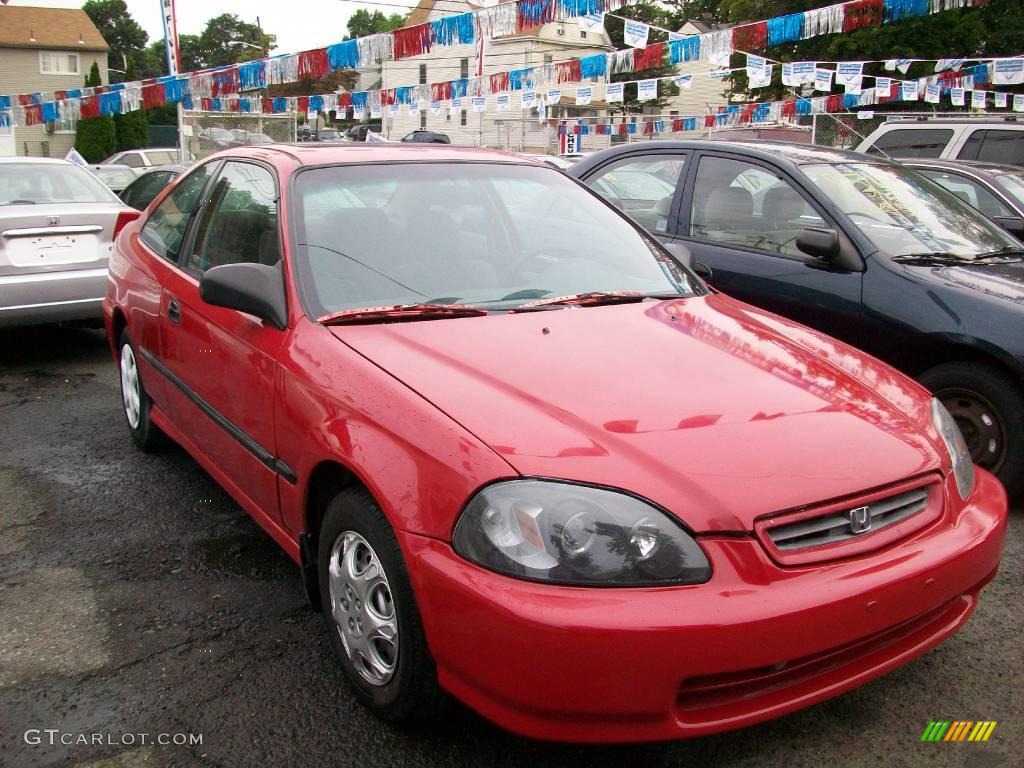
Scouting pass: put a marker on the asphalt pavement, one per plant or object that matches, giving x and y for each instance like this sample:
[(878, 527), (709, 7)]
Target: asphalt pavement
[(138, 603)]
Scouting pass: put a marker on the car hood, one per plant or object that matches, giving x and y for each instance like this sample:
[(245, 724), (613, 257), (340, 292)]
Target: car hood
[(716, 411), (999, 281)]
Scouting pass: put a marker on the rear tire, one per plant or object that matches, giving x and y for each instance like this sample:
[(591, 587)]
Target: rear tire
[(372, 618), (988, 406), (134, 400)]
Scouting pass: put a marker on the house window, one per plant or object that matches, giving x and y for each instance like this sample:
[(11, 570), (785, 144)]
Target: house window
[(583, 34), (462, 118), (53, 63), (464, 68), (423, 120), (548, 58), (423, 74), (67, 123)]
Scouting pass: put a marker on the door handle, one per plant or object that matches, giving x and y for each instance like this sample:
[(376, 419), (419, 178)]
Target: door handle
[(174, 311)]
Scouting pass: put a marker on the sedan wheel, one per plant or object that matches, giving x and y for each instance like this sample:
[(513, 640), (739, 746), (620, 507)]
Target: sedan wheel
[(134, 400), (363, 608), (980, 425), (130, 394)]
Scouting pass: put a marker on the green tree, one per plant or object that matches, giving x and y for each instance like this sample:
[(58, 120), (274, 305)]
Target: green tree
[(96, 138), (228, 40), (153, 60), (122, 33), (93, 78), (364, 22), (656, 15)]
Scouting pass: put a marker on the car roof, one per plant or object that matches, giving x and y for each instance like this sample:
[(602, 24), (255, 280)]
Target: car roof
[(798, 154), (969, 165), (334, 154), (903, 122)]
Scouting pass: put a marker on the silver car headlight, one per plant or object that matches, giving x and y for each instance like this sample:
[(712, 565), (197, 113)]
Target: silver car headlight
[(572, 534), (963, 466)]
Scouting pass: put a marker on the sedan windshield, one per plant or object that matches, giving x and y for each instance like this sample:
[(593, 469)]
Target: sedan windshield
[(492, 235), (904, 214), (39, 183)]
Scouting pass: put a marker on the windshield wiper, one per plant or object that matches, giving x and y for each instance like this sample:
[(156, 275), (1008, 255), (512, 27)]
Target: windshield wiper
[(596, 298), (1010, 253), (930, 258), (422, 311)]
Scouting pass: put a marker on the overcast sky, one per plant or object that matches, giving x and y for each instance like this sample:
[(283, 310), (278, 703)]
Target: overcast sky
[(298, 24)]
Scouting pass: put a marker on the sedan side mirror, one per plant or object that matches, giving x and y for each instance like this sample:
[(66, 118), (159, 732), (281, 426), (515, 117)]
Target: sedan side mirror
[(256, 289), (684, 255), (818, 242)]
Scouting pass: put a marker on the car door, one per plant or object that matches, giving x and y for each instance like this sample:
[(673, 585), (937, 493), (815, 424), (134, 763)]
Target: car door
[(977, 194), (160, 243), (223, 362), (741, 217), (646, 186)]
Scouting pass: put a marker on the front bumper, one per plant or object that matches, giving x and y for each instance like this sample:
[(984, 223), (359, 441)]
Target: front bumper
[(52, 297), (755, 642)]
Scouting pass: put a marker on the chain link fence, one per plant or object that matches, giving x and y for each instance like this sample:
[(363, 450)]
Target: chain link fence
[(205, 133)]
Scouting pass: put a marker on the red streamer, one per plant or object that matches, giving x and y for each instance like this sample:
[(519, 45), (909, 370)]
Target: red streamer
[(862, 13), (411, 41), (565, 72), (313, 64), (90, 107), (650, 57), (751, 37)]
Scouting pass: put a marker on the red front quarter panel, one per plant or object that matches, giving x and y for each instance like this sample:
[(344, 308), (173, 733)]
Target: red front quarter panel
[(334, 405)]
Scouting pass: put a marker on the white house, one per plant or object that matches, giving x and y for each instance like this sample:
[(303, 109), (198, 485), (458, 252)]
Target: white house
[(515, 129)]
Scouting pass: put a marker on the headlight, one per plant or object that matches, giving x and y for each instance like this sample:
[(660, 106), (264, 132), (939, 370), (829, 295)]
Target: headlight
[(963, 466), (571, 534)]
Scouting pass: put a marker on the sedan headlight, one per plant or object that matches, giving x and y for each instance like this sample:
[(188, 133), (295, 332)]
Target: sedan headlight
[(572, 534), (963, 465)]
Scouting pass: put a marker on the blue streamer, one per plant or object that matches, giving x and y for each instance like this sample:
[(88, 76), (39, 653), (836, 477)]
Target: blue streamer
[(5, 115), (280, 104), (116, 87), (343, 55), (979, 72), (631, 128), (252, 75), (761, 112), (534, 12), (175, 90), (454, 30), (5, 102), (50, 112), (316, 103), (803, 106), (850, 100), (37, 98), (689, 123), (215, 105), (518, 78), (594, 66), (786, 29), (110, 103), (359, 100), (459, 88), (74, 94), (244, 105), (186, 101), (571, 9), (687, 49), (895, 10)]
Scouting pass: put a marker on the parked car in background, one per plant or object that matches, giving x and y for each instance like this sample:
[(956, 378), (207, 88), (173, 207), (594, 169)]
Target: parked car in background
[(215, 138), (860, 247), (427, 137), (57, 227), (553, 160), (328, 134), (484, 410), (358, 132), (140, 193), (140, 159), (992, 140), (244, 138), (114, 177), (995, 190)]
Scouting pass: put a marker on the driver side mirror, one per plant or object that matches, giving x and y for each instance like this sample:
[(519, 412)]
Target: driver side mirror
[(684, 256), (818, 242), (256, 289)]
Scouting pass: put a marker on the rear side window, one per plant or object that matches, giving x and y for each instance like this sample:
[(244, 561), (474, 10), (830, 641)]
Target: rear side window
[(131, 159), (910, 142), (996, 146), (142, 191), (165, 229)]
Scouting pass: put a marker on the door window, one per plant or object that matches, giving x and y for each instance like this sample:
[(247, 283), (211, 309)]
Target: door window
[(743, 204), (131, 159), (912, 142), (970, 191), (643, 187), (240, 222), (165, 229), (995, 146), (140, 193)]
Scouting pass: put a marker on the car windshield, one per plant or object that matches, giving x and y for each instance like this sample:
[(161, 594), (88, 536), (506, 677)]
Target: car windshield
[(1013, 185), (162, 157), (25, 183), (113, 176), (904, 214), (495, 235)]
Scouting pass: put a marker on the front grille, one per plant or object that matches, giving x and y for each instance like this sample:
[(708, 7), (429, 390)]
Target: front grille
[(843, 524)]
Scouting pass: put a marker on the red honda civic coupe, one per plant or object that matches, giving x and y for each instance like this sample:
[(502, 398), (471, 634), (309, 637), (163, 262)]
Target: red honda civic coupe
[(524, 456)]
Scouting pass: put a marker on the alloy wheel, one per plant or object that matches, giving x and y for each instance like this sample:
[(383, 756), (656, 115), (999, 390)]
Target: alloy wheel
[(363, 608), (130, 387)]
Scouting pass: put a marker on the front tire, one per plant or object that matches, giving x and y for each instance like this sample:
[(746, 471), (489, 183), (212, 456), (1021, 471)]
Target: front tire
[(988, 406), (136, 403), (372, 618)]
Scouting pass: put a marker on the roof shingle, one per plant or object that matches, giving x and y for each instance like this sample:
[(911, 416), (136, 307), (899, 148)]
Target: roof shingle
[(51, 27)]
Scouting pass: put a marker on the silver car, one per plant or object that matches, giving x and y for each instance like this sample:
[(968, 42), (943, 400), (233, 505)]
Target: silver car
[(57, 228)]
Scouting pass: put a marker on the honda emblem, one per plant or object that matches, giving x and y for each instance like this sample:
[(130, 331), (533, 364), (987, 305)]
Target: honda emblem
[(55, 221), (860, 520)]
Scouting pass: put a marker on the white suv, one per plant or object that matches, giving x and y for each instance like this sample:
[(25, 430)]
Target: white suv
[(999, 140)]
